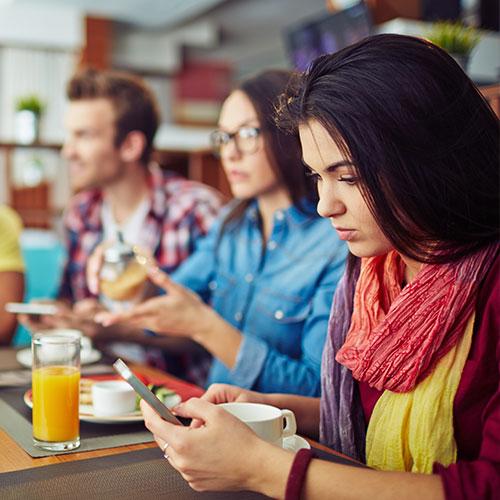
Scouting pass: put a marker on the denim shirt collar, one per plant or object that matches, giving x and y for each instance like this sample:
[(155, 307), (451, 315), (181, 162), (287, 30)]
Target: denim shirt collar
[(292, 214)]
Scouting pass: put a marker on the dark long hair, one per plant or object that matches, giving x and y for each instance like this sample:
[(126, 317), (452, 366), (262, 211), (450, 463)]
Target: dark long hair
[(423, 140), (282, 148)]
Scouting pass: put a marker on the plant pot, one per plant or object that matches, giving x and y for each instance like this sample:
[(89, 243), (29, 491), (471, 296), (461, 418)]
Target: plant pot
[(462, 60), (27, 127)]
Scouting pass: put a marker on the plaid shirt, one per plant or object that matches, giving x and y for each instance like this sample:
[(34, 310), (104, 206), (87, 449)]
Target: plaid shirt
[(181, 211)]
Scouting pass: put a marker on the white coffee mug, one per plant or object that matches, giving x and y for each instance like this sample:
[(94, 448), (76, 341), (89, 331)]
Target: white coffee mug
[(112, 397), (268, 422)]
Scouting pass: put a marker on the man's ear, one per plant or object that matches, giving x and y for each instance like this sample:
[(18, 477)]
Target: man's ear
[(132, 147)]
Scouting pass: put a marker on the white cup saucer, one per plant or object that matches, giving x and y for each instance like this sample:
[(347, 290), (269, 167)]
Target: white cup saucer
[(295, 443), (24, 356)]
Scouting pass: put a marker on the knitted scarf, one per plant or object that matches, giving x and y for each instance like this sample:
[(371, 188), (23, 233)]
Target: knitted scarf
[(396, 337)]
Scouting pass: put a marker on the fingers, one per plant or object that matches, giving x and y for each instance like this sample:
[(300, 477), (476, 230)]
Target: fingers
[(163, 280), (144, 256), (163, 445), (166, 435), (62, 306), (31, 322), (196, 408), (94, 265), (106, 318), (225, 393), (168, 432), (134, 316), (217, 393), (196, 423), (87, 307), (34, 322)]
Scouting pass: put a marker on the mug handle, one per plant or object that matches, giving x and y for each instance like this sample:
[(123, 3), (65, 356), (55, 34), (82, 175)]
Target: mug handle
[(291, 425)]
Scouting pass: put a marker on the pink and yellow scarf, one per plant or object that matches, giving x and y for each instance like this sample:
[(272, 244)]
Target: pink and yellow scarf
[(393, 339), (397, 337)]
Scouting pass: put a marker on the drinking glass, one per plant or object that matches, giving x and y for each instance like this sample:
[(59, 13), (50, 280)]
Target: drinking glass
[(56, 390)]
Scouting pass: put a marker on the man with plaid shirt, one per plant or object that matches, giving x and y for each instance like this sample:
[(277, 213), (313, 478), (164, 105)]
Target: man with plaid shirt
[(179, 212), (111, 122)]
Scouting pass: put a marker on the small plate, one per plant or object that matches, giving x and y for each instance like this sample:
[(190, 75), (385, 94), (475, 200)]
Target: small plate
[(87, 412), (295, 443), (87, 357)]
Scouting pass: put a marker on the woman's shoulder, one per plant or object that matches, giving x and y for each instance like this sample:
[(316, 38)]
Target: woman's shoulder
[(10, 222), (10, 249)]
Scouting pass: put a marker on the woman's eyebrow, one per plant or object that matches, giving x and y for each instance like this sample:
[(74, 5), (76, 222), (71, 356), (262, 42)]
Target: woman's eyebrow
[(332, 167), (343, 163)]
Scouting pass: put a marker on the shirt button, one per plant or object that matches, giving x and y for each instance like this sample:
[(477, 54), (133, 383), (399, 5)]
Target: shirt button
[(238, 316), (279, 314), (279, 215), (212, 285), (272, 245), (249, 278)]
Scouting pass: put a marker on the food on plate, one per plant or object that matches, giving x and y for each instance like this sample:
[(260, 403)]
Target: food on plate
[(165, 395), (86, 391)]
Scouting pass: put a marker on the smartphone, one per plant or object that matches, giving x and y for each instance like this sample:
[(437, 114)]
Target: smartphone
[(147, 395), (32, 308)]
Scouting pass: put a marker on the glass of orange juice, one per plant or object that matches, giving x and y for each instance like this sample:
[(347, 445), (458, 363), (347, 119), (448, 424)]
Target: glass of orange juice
[(55, 388)]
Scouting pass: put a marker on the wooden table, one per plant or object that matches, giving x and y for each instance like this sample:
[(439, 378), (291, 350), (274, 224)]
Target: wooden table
[(14, 458)]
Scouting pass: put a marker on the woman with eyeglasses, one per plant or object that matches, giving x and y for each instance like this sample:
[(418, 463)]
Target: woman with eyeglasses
[(405, 152), (256, 293)]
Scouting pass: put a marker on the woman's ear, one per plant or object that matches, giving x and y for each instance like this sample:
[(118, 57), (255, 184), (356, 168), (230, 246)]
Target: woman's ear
[(132, 147)]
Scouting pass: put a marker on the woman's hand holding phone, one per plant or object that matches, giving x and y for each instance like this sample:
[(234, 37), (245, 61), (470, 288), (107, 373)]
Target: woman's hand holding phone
[(221, 454)]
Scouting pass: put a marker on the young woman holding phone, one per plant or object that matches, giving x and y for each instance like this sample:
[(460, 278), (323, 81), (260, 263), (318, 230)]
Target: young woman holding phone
[(405, 153)]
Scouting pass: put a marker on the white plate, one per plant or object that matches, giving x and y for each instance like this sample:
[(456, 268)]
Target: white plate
[(87, 415), (295, 443), (87, 412), (87, 357)]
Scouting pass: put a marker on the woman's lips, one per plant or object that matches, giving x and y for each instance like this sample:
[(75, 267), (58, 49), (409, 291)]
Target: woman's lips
[(345, 234), (237, 176)]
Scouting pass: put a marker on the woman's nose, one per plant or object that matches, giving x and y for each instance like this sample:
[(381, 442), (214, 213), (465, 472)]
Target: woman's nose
[(329, 205)]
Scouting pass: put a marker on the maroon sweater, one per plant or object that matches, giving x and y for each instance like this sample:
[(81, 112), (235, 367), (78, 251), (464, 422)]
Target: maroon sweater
[(476, 408)]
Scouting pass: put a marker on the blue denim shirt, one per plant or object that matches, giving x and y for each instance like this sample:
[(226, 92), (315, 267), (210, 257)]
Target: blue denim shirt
[(278, 297)]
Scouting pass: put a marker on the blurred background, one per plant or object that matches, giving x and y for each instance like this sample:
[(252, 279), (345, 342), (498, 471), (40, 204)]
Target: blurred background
[(190, 52)]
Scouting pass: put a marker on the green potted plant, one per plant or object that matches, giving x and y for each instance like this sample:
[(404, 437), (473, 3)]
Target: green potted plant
[(456, 38), (29, 110)]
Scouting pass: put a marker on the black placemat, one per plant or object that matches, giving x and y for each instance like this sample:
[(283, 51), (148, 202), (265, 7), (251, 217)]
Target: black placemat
[(141, 475), (15, 418)]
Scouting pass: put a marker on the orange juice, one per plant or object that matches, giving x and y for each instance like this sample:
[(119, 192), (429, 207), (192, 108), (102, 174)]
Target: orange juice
[(56, 403)]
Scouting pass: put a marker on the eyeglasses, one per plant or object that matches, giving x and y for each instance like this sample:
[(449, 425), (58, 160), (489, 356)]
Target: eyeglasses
[(245, 140)]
